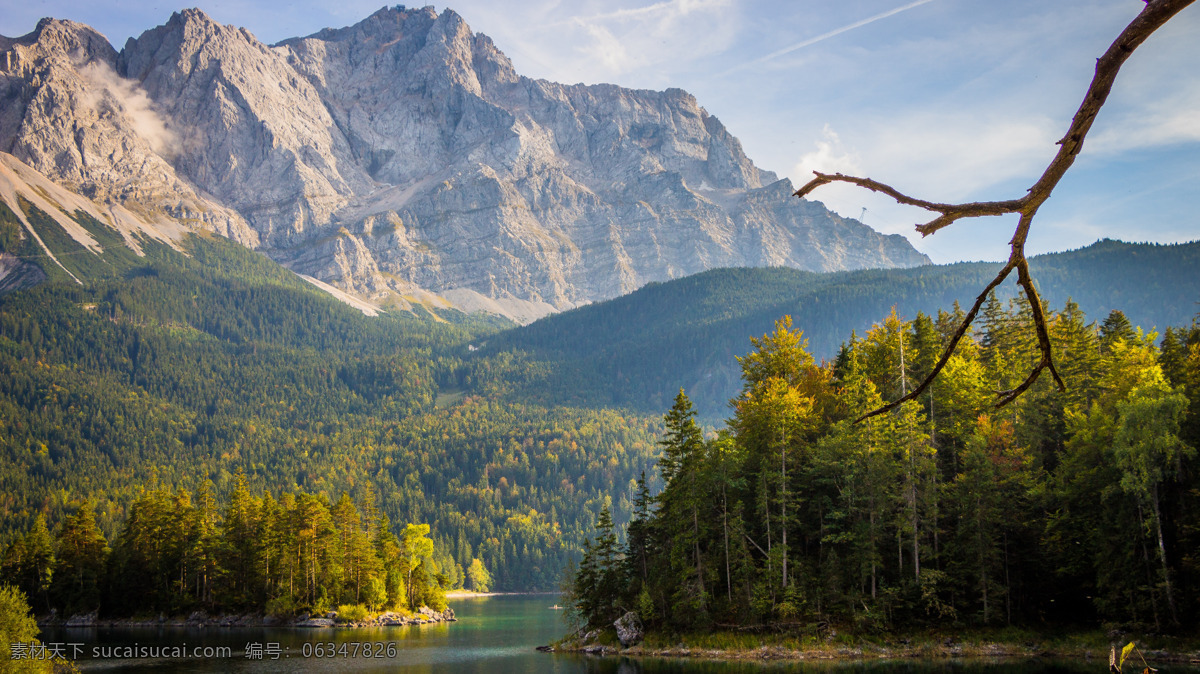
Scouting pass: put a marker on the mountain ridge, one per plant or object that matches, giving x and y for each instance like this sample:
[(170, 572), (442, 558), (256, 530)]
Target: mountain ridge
[(638, 350), (405, 155)]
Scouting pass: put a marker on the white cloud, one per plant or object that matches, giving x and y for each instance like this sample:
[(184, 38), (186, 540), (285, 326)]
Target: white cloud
[(937, 157), (957, 156), (1150, 123), (830, 156), (633, 46), (604, 48), (835, 32)]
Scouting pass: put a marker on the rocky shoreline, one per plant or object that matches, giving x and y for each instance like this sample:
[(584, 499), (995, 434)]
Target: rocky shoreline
[(995, 651), (630, 641), (424, 616)]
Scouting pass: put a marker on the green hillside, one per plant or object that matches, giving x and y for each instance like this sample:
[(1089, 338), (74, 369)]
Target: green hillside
[(179, 369), (636, 351), (1065, 509), (173, 370)]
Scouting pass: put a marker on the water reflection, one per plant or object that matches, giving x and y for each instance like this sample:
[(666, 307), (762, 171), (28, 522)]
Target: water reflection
[(684, 666), (496, 634)]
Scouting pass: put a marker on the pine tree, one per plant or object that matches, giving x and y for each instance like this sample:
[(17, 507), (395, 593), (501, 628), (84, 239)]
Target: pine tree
[(240, 543), (682, 438), (1116, 327), (28, 563), (639, 537), (785, 399), (926, 348), (80, 549), (205, 549), (724, 469), (389, 552), (909, 443), (1149, 452), (595, 585), (946, 323), (990, 499)]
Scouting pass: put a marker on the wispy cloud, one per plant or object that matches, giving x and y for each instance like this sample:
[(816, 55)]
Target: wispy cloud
[(833, 33), (606, 49), (1148, 123), (636, 46), (661, 9), (829, 156)]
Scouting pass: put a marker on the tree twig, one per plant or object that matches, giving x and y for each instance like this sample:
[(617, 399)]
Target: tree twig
[(1151, 18), (950, 212)]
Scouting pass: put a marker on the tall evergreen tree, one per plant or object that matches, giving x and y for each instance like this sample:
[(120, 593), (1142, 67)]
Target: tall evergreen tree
[(1116, 327), (240, 543), (80, 550), (1149, 453)]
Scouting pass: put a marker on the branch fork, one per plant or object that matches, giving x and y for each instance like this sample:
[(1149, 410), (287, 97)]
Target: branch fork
[(1152, 17)]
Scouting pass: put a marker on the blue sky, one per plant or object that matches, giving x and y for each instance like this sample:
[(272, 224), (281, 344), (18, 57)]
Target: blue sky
[(947, 100)]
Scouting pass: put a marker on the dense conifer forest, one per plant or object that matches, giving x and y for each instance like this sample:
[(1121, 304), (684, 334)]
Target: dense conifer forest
[(205, 420), (637, 350), (174, 373), (1071, 509), (179, 551)]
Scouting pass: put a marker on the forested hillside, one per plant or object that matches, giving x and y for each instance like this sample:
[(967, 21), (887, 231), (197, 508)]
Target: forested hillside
[(178, 551), (1073, 508), (637, 351), (178, 370), (167, 375)]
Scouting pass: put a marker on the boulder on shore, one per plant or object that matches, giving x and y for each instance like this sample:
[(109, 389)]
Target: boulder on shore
[(629, 629), (82, 620)]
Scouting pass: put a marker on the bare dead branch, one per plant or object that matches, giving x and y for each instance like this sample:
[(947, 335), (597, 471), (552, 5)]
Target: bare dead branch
[(1152, 17), (1043, 335), (755, 544), (949, 350), (950, 212)]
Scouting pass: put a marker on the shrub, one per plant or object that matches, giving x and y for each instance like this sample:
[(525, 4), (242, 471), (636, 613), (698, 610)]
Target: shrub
[(281, 607), (352, 613)]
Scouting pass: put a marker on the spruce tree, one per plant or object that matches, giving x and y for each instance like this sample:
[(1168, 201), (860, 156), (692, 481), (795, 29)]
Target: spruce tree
[(81, 550), (682, 438), (1116, 327)]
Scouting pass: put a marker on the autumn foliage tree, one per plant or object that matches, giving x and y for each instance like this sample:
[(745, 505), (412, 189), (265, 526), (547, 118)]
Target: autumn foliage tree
[(1061, 507)]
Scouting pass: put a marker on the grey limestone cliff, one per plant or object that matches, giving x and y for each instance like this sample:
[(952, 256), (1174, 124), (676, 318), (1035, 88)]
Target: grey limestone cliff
[(404, 154), (69, 116)]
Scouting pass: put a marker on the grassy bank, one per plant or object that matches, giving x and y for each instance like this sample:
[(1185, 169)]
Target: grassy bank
[(831, 644), (467, 594)]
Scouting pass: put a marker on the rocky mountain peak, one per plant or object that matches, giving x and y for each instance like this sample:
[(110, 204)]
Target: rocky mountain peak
[(491, 64), (191, 39), (54, 42), (80, 42), (70, 116), (195, 26), (257, 135), (383, 27), (405, 154)]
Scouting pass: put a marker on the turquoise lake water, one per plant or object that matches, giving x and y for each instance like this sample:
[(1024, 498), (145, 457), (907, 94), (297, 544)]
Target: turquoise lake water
[(493, 634)]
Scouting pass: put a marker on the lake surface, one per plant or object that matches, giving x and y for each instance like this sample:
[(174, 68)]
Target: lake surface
[(493, 634)]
